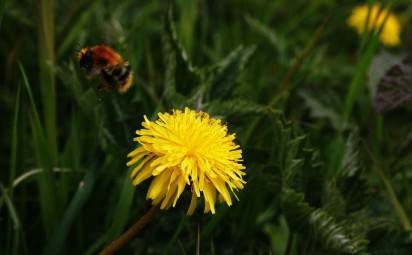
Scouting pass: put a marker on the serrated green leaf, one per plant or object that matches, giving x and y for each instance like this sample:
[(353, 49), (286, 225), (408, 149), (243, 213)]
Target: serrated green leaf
[(263, 30), (319, 109), (351, 162), (221, 78), (180, 74), (349, 181), (328, 234), (236, 107), (276, 40)]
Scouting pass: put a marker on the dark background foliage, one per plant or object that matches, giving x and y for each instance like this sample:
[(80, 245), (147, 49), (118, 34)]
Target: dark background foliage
[(325, 173)]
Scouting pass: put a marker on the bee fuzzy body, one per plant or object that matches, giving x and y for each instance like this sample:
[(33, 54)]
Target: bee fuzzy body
[(119, 77), (104, 62)]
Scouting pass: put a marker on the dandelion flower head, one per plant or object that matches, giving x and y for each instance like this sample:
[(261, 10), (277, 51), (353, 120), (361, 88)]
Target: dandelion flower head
[(187, 148), (390, 34)]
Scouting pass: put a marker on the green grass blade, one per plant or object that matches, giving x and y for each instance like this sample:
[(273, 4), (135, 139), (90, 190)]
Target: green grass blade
[(83, 192), (359, 78), (207, 228), (48, 200), (367, 50), (189, 15), (14, 141), (400, 212), (175, 235), (32, 173), (96, 246), (47, 77), (32, 101), (13, 155), (270, 35), (121, 212), (15, 220), (71, 33)]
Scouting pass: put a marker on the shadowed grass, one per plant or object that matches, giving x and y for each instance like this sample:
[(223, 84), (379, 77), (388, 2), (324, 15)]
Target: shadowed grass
[(59, 239), (3, 4), (47, 76), (18, 246), (45, 180)]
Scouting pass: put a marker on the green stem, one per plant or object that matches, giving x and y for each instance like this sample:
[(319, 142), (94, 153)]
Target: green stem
[(47, 78), (14, 140), (368, 48), (400, 212), (298, 63), (403, 218), (359, 79)]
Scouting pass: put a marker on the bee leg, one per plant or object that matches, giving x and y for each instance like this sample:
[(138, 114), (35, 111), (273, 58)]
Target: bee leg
[(108, 79)]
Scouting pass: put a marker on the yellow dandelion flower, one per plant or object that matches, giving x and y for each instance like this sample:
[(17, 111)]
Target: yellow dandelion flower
[(391, 30), (187, 148)]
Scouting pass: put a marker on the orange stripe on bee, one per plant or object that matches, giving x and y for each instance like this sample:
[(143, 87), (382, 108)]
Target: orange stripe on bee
[(103, 53)]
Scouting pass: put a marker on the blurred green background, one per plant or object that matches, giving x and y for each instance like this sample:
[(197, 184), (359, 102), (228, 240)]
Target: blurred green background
[(325, 173)]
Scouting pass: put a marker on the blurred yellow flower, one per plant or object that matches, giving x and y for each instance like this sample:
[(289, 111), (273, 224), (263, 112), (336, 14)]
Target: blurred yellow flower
[(187, 148), (391, 30)]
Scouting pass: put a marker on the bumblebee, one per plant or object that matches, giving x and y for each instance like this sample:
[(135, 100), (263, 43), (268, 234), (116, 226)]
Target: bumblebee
[(104, 62)]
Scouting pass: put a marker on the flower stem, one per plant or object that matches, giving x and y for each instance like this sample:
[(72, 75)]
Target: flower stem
[(131, 232)]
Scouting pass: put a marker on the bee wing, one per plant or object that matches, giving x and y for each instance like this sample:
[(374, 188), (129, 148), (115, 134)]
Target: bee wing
[(395, 87)]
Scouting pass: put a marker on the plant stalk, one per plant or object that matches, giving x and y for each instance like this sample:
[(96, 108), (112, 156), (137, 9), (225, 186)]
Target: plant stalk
[(403, 218), (131, 232), (47, 77)]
